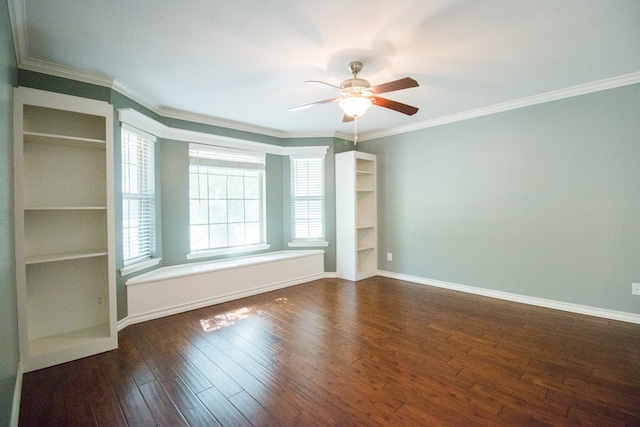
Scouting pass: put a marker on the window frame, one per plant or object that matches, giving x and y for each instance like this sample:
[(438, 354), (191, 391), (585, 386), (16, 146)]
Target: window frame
[(316, 241), (226, 159), (146, 154)]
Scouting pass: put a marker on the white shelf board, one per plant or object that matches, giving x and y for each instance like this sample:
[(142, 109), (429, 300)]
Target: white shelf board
[(63, 140), (65, 208), (77, 338), (39, 259)]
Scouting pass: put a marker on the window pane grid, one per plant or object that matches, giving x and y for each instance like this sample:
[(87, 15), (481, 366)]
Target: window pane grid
[(138, 198), (307, 198), (226, 207)]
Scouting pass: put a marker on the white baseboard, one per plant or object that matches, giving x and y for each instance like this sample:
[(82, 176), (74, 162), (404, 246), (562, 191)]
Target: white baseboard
[(131, 320), (17, 394), (540, 302)]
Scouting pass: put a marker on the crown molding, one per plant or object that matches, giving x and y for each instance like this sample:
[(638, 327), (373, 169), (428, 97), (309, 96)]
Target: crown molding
[(134, 95), (107, 81), (17, 17), (140, 121), (214, 121), (67, 72), (18, 28), (346, 136), (230, 124), (340, 135), (104, 80), (614, 82)]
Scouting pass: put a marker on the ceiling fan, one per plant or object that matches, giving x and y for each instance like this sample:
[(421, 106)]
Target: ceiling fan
[(358, 95)]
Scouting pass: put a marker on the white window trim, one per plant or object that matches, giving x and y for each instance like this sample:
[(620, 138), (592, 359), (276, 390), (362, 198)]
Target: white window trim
[(260, 166), (310, 243), (228, 251), (140, 265), (151, 126)]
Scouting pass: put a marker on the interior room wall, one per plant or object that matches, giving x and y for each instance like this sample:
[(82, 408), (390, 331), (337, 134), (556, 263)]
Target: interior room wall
[(541, 201), (329, 196), (174, 170), (172, 177), (9, 324)]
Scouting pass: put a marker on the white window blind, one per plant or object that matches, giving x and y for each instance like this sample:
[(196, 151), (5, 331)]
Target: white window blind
[(138, 196), (307, 198), (226, 188)]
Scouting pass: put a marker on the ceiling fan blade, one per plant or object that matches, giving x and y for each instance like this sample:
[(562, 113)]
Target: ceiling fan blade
[(405, 83), (394, 105), (302, 107), (323, 84), (347, 119)]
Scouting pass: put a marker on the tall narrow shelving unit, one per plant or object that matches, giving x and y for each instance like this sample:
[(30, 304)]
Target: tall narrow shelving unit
[(63, 152), (356, 215)]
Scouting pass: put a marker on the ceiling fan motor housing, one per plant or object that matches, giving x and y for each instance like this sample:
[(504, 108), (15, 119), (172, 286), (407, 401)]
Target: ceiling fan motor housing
[(355, 86)]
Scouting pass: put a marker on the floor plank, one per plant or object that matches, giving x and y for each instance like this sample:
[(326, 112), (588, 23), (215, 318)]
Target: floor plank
[(336, 353)]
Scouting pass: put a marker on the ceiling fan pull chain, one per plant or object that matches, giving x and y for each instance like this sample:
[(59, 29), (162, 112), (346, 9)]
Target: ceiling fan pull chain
[(355, 132)]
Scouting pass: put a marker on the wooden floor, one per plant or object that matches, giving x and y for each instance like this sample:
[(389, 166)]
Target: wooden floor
[(338, 353)]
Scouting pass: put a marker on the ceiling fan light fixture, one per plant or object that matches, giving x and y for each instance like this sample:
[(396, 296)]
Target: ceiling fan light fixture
[(355, 106), (357, 95)]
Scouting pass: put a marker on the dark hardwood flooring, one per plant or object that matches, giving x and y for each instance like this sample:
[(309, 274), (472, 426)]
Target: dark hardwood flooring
[(338, 353)]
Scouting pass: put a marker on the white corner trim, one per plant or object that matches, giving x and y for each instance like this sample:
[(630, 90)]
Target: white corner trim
[(133, 94), (17, 394), (556, 95), (141, 121), (345, 136), (507, 296), (123, 323), (141, 265)]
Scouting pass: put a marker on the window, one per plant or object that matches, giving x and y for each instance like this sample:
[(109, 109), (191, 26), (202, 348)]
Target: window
[(226, 195), (307, 200), (138, 196)]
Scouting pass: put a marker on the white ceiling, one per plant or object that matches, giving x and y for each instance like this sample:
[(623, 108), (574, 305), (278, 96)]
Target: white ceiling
[(244, 62)]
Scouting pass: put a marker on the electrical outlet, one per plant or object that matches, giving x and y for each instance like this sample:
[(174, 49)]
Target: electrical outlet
[(99, 301), (635, 288), (389, 256)]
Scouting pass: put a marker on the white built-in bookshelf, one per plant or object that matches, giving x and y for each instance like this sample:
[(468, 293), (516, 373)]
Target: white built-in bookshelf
[(63, 175), (356, 215)]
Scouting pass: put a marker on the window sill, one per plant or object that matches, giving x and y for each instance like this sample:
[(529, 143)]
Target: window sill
[(128, 269), (227, 251), (308, 244)]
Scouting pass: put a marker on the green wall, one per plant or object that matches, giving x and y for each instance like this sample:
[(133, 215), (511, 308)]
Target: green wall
[(542, 201), (330, 195), (8, 310), (173, 179), (174, 166)]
